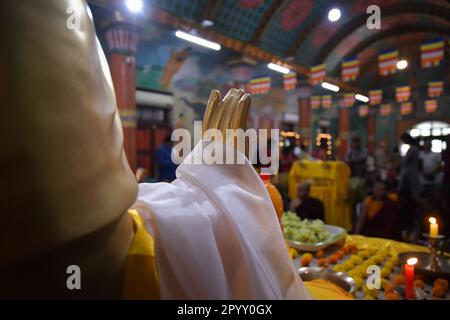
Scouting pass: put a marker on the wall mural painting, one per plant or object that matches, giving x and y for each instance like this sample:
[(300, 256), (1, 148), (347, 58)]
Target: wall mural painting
[(168, 64)]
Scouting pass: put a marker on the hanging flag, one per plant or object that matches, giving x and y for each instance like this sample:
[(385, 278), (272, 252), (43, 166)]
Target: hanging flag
[(317, 74), (290, 81), (349, 99), (315, 102), (385, 109), (387, 62), (402, 94), (435, 89), (375, 97), (432, 53), (259, 85), (350, 69), (430, 105), (405, 108), (326, 101), (363, 110)]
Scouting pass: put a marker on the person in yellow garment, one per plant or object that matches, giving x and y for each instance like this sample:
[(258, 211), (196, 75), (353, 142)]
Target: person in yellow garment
[(75, 224)]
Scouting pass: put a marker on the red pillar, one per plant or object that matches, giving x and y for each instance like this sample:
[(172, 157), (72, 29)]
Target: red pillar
[(371, 132), (344, 131), (304, 111), (122, 40)]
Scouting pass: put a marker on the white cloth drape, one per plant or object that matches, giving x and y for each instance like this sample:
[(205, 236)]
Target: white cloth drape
[(217, 235)]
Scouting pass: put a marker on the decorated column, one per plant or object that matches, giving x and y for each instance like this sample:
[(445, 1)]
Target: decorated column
[(304, 111), (344, 131), (122, 38), (371, 131)]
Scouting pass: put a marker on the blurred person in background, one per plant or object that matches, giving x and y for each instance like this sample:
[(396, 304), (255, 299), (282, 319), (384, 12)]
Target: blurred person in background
[(165, 166), (430, 176), (306, 206)]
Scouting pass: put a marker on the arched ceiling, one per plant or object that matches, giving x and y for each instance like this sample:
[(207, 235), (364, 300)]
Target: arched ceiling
[(298, 31)]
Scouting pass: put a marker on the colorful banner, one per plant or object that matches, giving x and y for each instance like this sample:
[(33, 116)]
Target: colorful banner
[(435, 89), (430, 105), (350, 69), (405, 108), (402, 94), (385, 109), (387, 62), (259, 85), (349, 99), (432, 53), (315, 102), (317, 74), (375, 96), (327, 101), (290, 81), (363, 110)]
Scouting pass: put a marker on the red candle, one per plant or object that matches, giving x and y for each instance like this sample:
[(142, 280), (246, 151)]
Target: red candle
[(409, 278)]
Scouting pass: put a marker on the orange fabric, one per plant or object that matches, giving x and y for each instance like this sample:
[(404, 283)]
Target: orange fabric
[(141, 281), (372, 207)]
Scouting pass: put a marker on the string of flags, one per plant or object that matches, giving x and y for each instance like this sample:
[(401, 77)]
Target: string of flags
[(405, 108), (430, 105), (317, 74), (432, 53), (290, 81), (363, 110), (435, 89), (350, 69), (259, 85), (349, 100), (315, 102), (387, 62), (375, 96), (385, 109), (402, 94), (327, 101)]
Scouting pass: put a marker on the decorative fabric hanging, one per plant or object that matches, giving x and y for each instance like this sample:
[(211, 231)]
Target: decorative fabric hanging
[(430, 105), (405, 108), (317, 74), (432, 53), (349, 99), (290, 81), (350, 69), (435, 89), (363, 110), (402, 94), (315, 102), (387, 62), (375, 96), (385, 109), (327, 101), (259, 85)]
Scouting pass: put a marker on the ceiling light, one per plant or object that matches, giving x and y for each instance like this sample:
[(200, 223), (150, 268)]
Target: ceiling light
[(329, 86), (134, 5), (207, 23), (278, 68), (334, 15), (197, 40), (361, 97), (402, 64)]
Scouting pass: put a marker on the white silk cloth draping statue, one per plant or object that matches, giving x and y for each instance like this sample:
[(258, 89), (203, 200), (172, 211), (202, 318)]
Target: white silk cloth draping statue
[(217, 235)]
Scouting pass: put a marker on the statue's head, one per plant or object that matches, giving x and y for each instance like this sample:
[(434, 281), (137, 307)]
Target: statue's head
[(63, 171)]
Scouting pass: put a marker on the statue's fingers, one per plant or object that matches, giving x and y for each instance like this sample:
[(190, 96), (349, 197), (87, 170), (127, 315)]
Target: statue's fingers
[(211, 108)]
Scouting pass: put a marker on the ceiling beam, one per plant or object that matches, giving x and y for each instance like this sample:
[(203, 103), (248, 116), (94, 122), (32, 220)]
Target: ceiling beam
[(397, 9)]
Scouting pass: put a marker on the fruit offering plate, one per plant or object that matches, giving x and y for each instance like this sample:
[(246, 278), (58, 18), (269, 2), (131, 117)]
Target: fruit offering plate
[(346, 266), (337, 234)]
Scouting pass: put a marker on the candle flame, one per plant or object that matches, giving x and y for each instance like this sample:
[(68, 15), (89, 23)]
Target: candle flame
[(432, 220), (411, 261)]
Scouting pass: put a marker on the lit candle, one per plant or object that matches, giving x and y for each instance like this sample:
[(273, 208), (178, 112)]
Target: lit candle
[(433, 227), (409, 278)]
